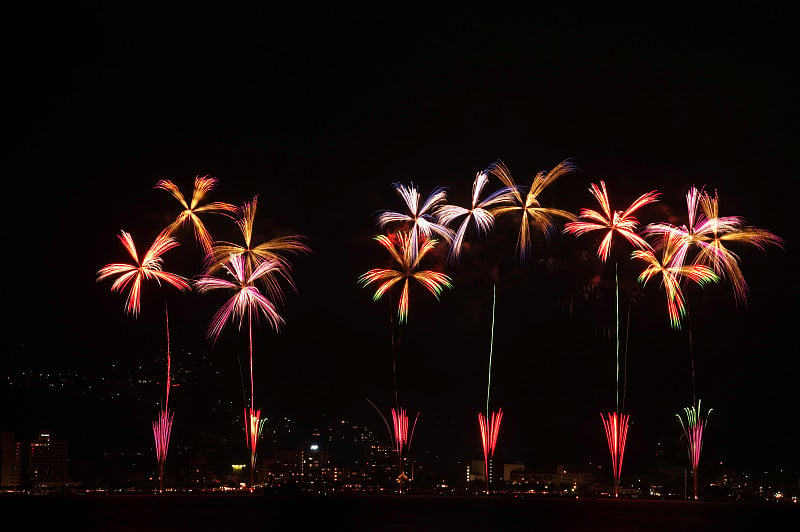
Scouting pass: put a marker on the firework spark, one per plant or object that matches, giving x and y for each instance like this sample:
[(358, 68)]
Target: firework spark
[(479, 212), (621, 222), (616, 427), (672, 272), (534, 215), (247, 301), (191, 210), (420, 219), (400, 247), (149, 268)]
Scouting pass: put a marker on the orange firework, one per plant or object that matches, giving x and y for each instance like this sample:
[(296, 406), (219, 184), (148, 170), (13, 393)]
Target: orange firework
[(534, 215), (401, 249), (191, 210), (271, 250)]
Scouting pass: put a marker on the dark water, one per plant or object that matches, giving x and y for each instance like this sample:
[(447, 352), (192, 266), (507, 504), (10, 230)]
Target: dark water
[(418, 514)]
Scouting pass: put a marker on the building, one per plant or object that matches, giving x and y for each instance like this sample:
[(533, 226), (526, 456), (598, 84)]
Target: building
[(47, 463), (10, 462)]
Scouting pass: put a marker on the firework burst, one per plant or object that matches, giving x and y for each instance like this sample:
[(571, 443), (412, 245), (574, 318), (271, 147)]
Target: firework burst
[(191, 210), (479, 213), (400, 247), (534, 217), (149, 268), (613, 222), (420, 219)]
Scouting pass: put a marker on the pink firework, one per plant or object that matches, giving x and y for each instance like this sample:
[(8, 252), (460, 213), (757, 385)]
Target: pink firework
[(619, 222), (402, 436), (616, 426), (131, 276), (254, 424), (693, 428), (490, 428), (162, 427), (247, 302), (149, 268)]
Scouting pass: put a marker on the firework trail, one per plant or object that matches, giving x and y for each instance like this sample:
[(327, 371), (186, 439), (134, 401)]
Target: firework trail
[(401, 247), (693, 428), (534, 215), (479, 213), (707, 232), (130, 276), (271, 250), (191, 210), (246, 302), (420, 219)]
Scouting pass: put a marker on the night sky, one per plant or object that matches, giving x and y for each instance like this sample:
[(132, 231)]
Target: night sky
[(318, 112)]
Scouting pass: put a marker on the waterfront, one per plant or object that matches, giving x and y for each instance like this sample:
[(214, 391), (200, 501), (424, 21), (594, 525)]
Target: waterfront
[(390, 513)]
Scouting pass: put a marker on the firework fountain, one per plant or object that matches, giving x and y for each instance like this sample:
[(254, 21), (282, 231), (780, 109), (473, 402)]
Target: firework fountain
[(248, 265), (407, 248), (130, 276), (399, 247), (247, 302), (706, 232), (693, 427), (625, 224), (490, 423), (480, 214)]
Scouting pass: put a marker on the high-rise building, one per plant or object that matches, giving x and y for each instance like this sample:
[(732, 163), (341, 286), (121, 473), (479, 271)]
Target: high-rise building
[(10, 461), (47, 462)]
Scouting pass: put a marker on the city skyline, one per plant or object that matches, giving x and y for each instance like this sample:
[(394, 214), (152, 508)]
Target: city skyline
[(318, 117)]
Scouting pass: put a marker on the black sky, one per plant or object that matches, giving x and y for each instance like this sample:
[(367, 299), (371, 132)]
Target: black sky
[(319, 111)]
